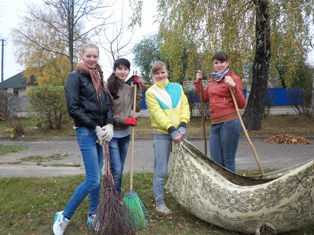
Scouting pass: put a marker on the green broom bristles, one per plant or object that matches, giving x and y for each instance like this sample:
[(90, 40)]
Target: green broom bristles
[(137, 208)]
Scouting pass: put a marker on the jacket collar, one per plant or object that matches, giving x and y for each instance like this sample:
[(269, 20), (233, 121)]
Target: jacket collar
[(163, 83)]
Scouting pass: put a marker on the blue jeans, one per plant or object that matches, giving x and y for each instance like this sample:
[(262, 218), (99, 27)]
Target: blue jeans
[(118, 150), (93, 159), (223, 143)]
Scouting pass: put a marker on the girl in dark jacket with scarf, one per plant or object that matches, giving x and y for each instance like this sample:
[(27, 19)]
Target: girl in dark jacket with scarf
[(88, 104)]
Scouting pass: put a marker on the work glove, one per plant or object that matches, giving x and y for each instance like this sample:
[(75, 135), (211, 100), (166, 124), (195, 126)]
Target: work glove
[(105, 133), (131, 121), (182, 128), (174, 133), (108, 132), (100, 134), (135, 80)]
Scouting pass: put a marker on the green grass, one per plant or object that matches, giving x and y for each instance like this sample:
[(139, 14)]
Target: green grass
[(40, 160), (27, 206), (271, 125), (44, 159), (4, 149)]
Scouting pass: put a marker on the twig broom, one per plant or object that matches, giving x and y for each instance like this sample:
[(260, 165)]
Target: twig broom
[(112, 217), (131, 199)]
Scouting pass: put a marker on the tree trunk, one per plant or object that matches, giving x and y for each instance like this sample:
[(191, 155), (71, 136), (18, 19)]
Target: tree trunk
[(71, 34), (256, 103)]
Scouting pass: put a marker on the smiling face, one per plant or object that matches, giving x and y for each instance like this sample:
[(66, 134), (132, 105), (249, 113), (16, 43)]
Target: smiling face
[(160, 74), (122, 72), (90, 57), (220, 66)]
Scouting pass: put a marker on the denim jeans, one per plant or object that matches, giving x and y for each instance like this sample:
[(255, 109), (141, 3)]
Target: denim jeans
[(93, 159), (223, 143), (118, 150)]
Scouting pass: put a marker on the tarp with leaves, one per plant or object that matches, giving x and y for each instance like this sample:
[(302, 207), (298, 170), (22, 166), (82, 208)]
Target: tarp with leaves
[(282, 200)]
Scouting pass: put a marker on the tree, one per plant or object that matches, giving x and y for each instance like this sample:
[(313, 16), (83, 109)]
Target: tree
[(57, 29), (240, 28), (114, 40), (146, 53), (256, 103)]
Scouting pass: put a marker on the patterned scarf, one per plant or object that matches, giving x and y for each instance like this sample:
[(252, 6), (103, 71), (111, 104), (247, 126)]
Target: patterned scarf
[(218, 76), (94, 74)]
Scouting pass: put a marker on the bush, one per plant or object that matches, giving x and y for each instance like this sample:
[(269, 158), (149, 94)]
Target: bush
[(48, 106)]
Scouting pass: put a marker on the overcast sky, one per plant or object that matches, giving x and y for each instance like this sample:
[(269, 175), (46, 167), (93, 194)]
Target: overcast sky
[(10, 9)]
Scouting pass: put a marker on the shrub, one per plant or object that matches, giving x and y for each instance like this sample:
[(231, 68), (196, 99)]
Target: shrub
[(48, 106)]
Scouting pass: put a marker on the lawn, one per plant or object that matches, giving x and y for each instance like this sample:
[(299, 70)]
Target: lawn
[(271, 125), (27, 205)]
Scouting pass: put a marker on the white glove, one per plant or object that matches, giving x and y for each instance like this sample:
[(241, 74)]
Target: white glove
[(229, 81), (107, 132), (100, 134)]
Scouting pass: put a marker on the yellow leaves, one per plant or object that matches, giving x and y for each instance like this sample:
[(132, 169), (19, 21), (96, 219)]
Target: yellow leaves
[(52, 73), (287, 139)]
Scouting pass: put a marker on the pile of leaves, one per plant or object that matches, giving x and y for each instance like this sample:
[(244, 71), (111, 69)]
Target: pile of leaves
[(287, 139)]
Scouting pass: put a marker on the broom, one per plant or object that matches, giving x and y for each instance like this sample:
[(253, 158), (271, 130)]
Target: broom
[(112, 216), (131, 199)]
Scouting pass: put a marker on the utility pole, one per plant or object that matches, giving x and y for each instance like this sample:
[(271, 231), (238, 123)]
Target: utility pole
[(2, 56)]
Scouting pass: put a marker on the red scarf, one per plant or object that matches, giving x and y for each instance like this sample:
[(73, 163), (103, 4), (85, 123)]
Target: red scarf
[(94, 74)]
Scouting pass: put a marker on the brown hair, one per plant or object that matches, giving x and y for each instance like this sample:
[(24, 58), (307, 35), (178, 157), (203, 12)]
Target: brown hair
[(221, 56), (113, 82), (158, 66)]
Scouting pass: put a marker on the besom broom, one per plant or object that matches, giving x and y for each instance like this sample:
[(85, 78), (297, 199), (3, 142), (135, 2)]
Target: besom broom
[(113, 216), (131, 199)]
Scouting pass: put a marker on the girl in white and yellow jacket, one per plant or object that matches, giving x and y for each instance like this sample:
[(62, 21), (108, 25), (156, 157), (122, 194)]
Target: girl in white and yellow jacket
[(169, 114)]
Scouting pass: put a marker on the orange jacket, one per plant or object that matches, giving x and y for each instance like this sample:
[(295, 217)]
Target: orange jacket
[(219, 96)]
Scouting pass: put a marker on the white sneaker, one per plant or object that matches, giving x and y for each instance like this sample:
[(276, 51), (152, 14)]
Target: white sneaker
[(60, 223), (91, 222), (162, 209)]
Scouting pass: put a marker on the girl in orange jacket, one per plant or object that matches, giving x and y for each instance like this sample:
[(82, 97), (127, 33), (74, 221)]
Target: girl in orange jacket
[(225, 125)]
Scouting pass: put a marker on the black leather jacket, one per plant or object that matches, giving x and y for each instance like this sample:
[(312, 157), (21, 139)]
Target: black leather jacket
[(82, 103)]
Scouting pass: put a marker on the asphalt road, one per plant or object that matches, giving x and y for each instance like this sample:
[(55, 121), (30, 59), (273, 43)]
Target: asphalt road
[(271, 155)]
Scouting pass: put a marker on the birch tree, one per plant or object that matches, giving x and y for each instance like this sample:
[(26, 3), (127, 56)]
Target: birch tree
[(260, 37)]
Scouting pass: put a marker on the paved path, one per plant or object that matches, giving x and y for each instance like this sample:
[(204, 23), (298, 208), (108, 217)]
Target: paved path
[(271, 156)]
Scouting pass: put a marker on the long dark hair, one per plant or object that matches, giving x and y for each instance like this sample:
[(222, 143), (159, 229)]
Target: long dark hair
[(113, 82)]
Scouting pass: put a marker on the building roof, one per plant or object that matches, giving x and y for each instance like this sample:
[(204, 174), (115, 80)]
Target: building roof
[(16, 81)]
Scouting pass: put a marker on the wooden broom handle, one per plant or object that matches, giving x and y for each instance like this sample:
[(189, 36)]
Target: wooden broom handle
[(246, 133), (203, 118), (132, 139)]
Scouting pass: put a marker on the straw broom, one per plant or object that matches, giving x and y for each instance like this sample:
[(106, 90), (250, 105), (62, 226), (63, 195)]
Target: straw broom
[(131, 199), (112, 217)]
